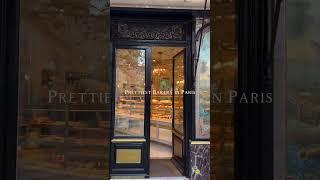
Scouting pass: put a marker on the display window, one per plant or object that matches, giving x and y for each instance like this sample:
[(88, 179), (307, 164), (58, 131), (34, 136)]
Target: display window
[(129, 95), (64, 91), (202, 84), (302, 89)]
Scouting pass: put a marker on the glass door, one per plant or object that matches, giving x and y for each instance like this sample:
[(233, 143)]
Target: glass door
[(130, 141), (178, 131)]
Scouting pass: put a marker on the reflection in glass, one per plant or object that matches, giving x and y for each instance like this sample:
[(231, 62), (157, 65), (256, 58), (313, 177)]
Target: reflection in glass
[(130, 92), (303, 89), (224, 68), (178, 84), (63, 48), (203, 90)]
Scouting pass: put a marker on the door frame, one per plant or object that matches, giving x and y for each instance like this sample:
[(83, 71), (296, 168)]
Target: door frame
[(188, 114), (143, 168), (186, 20), (179, 162)]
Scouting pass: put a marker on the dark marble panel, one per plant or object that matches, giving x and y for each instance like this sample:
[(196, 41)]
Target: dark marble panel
[(200, 161)]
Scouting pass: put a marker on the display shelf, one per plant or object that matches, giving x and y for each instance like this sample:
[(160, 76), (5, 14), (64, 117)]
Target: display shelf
[(56, 137), (44, 129)]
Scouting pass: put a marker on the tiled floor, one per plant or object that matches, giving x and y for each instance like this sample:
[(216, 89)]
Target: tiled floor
[(158, 178), (158, 151), (169, 178), (154, 178), (163, 168)]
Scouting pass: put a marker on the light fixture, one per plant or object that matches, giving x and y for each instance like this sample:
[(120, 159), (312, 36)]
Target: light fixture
[(159, 70)]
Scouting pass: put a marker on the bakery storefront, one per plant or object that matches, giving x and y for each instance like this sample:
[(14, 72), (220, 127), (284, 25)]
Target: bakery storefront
[(111, 92), (123, 89), (154, 96)]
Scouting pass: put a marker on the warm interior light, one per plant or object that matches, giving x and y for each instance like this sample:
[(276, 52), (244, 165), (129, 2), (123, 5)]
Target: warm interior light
[(158, 70)]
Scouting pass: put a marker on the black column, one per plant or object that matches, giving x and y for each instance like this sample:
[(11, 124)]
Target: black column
[(254, 121), (8, 87)]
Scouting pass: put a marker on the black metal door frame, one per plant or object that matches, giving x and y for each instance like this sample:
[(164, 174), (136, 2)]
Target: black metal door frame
[(187, 100), (183, 18), (175, 134), (143, 167)]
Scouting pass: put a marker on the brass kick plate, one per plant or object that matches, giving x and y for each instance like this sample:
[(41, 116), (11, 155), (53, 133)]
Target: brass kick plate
[(128, 156)]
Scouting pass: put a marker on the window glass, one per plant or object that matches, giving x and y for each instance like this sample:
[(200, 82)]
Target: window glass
[(303, 89), (64, 90), (203, 89), (178, 85), (129, 94)]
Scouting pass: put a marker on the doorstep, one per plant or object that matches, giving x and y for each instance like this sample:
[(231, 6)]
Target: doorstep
[(171, 178), (153, 178)]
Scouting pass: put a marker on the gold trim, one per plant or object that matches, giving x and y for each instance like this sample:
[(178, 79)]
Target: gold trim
[(200, 142), (128, 140), (128, 156)]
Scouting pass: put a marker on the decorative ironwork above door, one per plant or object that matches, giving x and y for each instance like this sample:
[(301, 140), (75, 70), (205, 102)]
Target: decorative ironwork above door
[(148, 31)]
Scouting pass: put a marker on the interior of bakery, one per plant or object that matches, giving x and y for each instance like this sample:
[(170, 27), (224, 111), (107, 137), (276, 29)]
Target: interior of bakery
[(167, 75), (162, 110)]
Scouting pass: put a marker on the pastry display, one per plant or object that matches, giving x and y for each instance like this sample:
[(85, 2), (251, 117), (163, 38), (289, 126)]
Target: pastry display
[(57, 141)]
